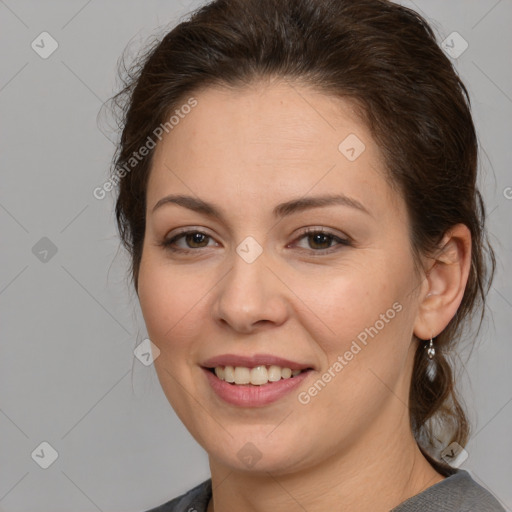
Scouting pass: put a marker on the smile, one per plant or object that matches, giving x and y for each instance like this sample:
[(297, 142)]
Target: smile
[(254, 395), (257, 376)]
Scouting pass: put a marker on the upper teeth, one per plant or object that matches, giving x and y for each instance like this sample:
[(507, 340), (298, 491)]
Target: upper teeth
[(256, 376)]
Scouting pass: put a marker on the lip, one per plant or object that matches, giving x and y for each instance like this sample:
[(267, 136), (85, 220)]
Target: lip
[(247, 395), (253, 361)]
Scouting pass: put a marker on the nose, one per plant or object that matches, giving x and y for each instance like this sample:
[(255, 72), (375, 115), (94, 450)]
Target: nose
[(251, 295)]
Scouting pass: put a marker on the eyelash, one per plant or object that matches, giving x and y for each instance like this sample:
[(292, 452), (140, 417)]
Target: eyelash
[(167, 244)]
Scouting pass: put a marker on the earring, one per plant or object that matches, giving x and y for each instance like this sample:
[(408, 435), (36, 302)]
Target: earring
[(431, 351)]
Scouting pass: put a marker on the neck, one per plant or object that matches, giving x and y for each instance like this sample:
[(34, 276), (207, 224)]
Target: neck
[(367, 478)]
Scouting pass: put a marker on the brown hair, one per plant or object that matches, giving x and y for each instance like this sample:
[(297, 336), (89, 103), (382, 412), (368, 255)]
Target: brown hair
[(384, 58)]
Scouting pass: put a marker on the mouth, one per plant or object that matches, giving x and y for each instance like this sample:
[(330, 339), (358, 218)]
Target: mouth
[(254, 386), (260, 375)]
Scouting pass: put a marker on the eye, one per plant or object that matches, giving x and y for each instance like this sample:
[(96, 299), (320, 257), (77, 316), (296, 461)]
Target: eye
[(321, 240), (194, 239)]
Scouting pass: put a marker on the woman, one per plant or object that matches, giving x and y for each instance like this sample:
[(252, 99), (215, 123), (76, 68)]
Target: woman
[(297, 193)]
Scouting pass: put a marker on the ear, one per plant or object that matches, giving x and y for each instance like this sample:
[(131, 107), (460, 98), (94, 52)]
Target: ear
[(445, 282)]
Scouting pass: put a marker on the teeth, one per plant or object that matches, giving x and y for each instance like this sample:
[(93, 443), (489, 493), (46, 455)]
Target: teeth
[(256, 376), (242, 375), (229, 374), (274, 373)]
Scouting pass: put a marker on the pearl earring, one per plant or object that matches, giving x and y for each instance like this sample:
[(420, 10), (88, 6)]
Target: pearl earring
[(431, 351)]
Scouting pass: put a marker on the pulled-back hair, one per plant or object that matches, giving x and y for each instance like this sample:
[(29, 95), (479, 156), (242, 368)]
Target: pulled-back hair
[(384, 58)]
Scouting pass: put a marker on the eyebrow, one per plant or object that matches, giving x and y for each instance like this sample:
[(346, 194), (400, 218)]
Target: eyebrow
[(280, 211)]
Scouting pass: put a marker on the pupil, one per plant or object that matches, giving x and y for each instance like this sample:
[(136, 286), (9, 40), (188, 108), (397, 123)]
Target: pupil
[(196, 238), (318, 239)]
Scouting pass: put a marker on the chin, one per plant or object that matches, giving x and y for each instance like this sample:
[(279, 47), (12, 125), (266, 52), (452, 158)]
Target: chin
[(257, 454)]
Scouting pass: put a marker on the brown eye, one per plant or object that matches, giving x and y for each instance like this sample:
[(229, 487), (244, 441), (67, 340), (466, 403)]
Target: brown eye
[(193, 240), (320, 240)]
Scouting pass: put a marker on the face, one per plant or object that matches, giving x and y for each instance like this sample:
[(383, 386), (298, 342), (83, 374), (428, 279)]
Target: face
[(328, 287)]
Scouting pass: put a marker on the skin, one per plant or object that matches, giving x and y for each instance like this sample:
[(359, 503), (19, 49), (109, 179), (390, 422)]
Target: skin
[(247, 150)]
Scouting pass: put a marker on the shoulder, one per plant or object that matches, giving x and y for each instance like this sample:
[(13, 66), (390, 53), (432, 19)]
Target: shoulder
[(195, 500), (456, 493)]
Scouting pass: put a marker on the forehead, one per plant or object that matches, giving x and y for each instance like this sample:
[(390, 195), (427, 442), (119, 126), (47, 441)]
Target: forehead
[(270, 141)]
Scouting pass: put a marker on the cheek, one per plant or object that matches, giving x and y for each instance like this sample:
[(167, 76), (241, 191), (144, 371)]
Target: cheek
[(167, 298), (365, 346), (344, 303), (368, 315)]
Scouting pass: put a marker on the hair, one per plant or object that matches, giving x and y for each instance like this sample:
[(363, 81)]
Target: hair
[(384, 58)]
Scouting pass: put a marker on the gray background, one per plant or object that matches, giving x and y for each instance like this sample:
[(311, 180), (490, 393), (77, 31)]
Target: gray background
[(69, 322)]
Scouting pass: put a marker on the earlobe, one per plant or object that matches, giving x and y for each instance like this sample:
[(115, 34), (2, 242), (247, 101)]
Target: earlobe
[(446, 278)]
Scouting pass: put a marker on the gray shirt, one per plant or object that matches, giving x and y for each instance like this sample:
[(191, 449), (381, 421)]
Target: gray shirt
[(456, 493)]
